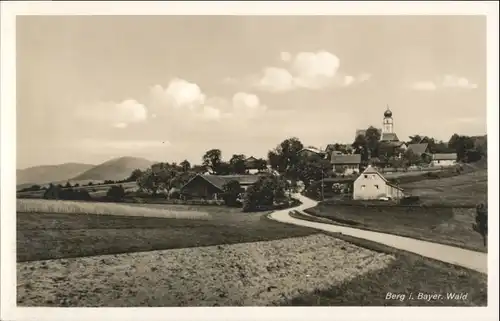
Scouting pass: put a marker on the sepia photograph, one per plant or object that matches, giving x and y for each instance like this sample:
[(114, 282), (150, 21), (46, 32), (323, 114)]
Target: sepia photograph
[(243, 160)]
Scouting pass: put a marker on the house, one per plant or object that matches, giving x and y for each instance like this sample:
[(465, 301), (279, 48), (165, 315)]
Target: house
[(253, 165), (310, 151), (371, 185), (212, 186), (444, 159), (346, 164), (419, 149)]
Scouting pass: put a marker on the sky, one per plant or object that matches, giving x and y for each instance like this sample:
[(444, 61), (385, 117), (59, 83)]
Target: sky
[(169, 88)]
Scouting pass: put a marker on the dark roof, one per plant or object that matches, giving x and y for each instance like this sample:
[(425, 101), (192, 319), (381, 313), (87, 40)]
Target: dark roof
[(346, 159), (418, 148), (445, 156), (391, 144), (220, 180), (389, 137)]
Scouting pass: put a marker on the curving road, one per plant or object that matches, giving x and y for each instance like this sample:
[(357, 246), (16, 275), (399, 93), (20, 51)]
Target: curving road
[(469, 259)]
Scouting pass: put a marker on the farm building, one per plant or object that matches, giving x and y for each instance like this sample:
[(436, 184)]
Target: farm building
[(372, 185), (212, 186), (346, 164), (254, 165), (444, 160)]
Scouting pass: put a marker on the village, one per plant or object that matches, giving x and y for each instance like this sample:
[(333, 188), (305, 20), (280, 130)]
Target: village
[(348, 169)]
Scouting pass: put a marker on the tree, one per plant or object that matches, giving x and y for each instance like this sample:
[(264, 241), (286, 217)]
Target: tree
[(311, 169), (149, 182), (237, 164), (415, 139), (134, 176), (481, 225), (284, 156), (116, 193), (68, 185), (212, 159), (372, 136), (264, 193), (412, 158), (186, 166), (261, 164), (232, 190), (461, 144)]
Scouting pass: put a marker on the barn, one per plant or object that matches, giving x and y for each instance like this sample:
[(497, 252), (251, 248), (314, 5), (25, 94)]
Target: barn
[(212, 186), (371, 185)]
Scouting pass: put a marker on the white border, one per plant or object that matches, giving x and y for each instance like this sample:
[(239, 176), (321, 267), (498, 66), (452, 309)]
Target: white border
[(9, 10)]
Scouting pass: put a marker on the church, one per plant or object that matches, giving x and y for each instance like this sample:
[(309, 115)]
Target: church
[(388, 137)]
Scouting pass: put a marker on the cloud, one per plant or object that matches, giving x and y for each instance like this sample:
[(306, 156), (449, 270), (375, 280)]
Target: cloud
[(306, 70), (179, 93), (184, 102), (447, 81), (118, 115), (276, 80), (245, 104)]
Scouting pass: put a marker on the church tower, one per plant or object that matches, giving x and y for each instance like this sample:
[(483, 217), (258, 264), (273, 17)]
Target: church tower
[(388, 123)]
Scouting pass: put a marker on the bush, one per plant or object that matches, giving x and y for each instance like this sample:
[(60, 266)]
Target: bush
[(231, 194), (116, 193)]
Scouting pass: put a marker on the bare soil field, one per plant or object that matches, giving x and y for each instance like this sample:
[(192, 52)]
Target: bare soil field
[(42, 236), (409, 274), (260, 273)]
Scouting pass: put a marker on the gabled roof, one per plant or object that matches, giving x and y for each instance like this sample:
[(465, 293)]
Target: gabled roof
[(346, 159), (418, 148), (445, 156), (219, 181), (371, 170), (311, 149), (389, 137)]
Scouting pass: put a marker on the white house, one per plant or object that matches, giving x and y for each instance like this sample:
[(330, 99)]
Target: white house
[(444, 160), (371, 185)]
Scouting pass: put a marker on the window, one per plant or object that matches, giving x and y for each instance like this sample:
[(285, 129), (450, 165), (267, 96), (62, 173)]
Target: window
[(366, 176), (363, 187), (376, 186)]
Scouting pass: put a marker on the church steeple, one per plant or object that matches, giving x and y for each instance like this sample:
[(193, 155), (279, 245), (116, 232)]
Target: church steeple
[(388, 123)]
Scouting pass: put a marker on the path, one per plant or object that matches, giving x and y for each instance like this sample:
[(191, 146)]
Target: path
[(445, 253)]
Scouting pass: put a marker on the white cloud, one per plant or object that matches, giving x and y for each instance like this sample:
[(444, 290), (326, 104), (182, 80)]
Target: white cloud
[(245, 104), (276, 80), (307, 70), (447, 81), (179, 93), (348, 80), (457, 82), (119, 115)]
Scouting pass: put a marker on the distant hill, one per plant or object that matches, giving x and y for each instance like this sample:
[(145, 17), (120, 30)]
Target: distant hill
[(50, 173), (115, 169)]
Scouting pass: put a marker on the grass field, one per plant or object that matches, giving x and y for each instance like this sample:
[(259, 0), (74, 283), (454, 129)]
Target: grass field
[(469, 188), (452, 226), (448, 225), (43, 236)]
